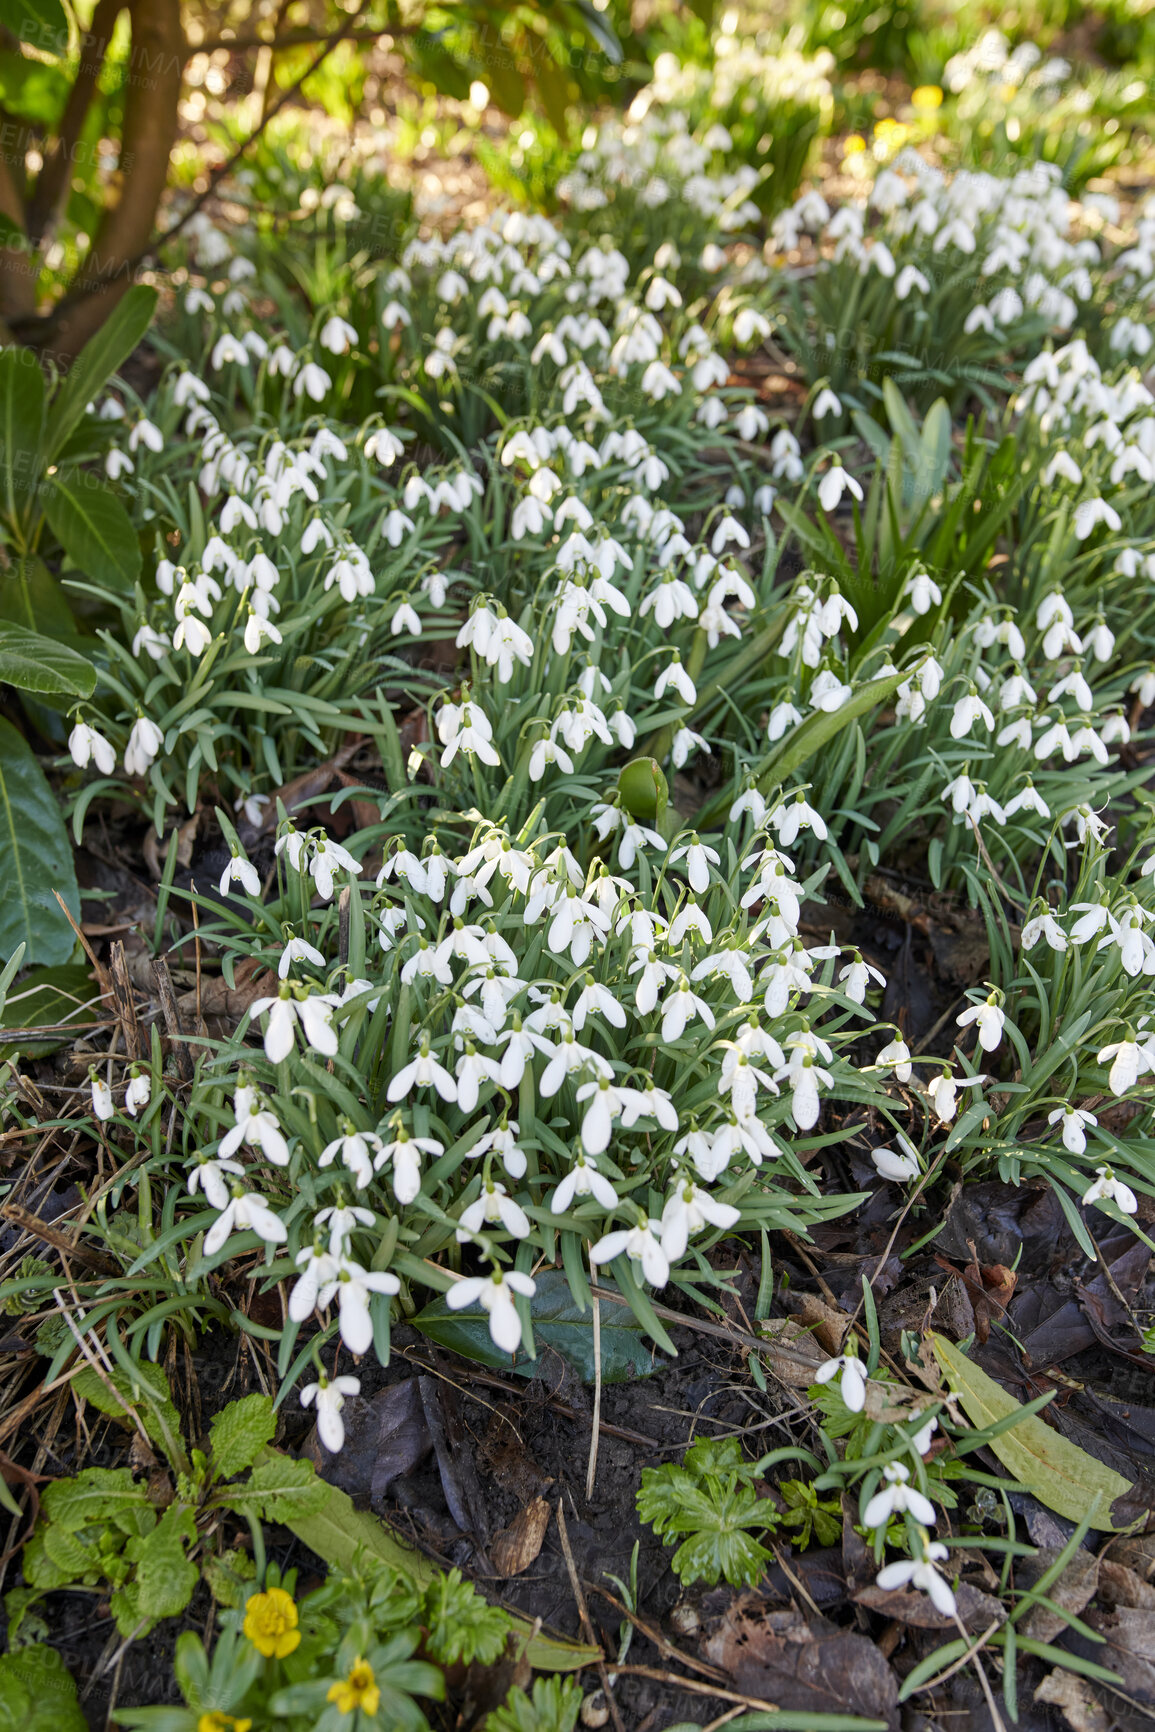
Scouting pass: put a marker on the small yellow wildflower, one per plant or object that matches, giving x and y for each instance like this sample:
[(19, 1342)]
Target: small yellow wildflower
[(358, 1690), (853, 145), (271, 1623), (215, 1721), (926, 96)]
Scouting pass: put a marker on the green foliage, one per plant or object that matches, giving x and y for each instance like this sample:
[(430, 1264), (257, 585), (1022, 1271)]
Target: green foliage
[(35, 858), (710, 1504), (239, 1432), (462, 1627), (37, 1692), (808, 1517), (553, 1707)]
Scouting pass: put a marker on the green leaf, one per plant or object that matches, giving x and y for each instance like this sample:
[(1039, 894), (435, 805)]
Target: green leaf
[(48, 998), (558, 1323), (38, 1693), (40, 22), (151, 1399), (97, 361), (93, 527), (21, 426), (165, 1576), (1062, 1476), (30, 596), (35, 858), (34, 663), (239, 1433), (644, 789), (98, 1494), (340, 1533), (281, 1489)]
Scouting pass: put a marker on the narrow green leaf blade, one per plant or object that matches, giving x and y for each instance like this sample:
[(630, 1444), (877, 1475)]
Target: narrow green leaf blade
[(98, 361)]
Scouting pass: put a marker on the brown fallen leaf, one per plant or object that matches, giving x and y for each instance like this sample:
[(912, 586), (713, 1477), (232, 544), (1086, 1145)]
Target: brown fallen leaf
[(791, 1353), (1075, 1701), (1128, 1648), (1120, 1586), (517, 1546), (976, 1609), (1073, 1591), (803, 1664)]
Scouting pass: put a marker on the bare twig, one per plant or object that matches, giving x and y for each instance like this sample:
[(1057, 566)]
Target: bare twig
[(584, 1615)]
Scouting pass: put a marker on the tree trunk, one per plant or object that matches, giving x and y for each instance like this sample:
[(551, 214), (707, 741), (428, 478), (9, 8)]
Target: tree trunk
[(124, 232)]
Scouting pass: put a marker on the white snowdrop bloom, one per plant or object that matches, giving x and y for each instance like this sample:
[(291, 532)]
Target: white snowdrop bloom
[(641, 1244), (791, 817), (828, 692), (102, 1103), (353, 1287), (979, 318), (674, 674), (1100, 641), (259, 630), (896, 1497), (921, 1573), (1043, 925), (246, 1211), (313, 1014), (312, 381), (238, 870), (493, 1207), (583, 1180), (990, 1018), (896, 1053), (144, 433), (909, 279), (782, 716), (897, 1165), (394, 316), (228, 350), (852, 1375), (385, 446), (1108, 1189), (922, 592), (87, 746), (688, 1209), (144, 743), (750, 326), (751, 801), (357, 1150), (1089, 513), (497, 1295), (834, 483), (423, 1071), (192, 634), (256, 1125), (967, 711), (856, 978), (1074, 1121), (698, 860), (943, 1092), (750, 422), (149, 640), (1129, 1061), (138, 1092), (337, 335), (826, 403), (684, 743), (1062, 466), (1073, 685), (329, 1397)]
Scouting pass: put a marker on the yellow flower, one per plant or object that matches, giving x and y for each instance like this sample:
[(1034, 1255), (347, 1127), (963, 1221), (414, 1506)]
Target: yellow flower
[(927, 96), (271, 1624), (215, 1721), (358, 1690), (853, 145)]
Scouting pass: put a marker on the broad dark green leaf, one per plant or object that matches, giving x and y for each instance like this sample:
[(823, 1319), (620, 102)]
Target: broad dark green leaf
[(30, 596), (93, 527), (42, 23), (644, 789), (557, 1323), (21, 426), (34, 663), (38, 1693), (98, 361), (49, 998), (35, 858)]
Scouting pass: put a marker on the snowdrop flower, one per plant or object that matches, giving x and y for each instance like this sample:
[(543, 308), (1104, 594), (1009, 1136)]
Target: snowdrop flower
[(896, 1053), (698, 860), (921, 1573), (966, 712), (896, 1497), (337, 336), (793, 816), (329, 1396), (1089, 513), (832, 486), (354, 1288), (312, 381), (138, 1092), (496, 1294), (246, 1211), (491, 1207), (192, 634), (1108, 1189), (899, 1166), (102, 1104), (86, 745), (853, 1379), (356, 1149), (239, 870), (826, 403), (687, 1210), (943, 1089), (422, 1071), (674, 674), (256, 1126), (1129, 1061), (1073, 1120), (990, 1018), (313, 1013), (856, 978), (1043, 925), (144, 742), (641, 1244), (328, 857), (583, 1180)]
